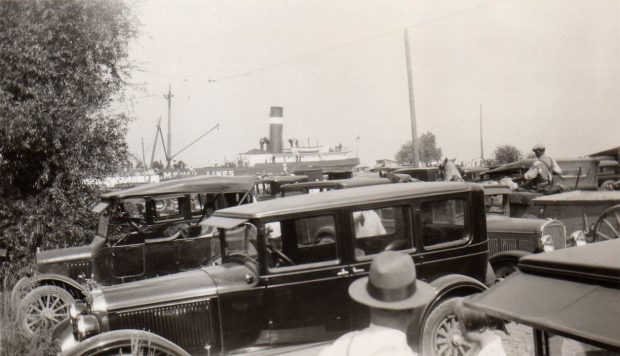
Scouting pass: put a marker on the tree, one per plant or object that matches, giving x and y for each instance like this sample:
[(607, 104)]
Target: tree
[(427, 150), (506, 154), (63, 63)]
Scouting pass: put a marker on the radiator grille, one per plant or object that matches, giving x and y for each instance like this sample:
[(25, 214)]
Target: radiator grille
[(188, 325), (499, 244), (557, 233)]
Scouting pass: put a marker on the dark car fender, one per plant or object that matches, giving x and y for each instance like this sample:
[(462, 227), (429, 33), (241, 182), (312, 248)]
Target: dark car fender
[(452, 285), (77, 290), (507, 257), (116, 339)]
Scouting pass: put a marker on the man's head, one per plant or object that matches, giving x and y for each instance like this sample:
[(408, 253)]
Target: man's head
[(392, 284), (539, 149)]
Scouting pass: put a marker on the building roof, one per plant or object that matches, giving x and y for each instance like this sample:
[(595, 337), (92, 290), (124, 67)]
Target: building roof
[(341, 198), (196, 184), (573, 292)]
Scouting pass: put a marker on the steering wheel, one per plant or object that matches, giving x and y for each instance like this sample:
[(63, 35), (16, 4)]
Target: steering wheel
[(281, 258), (396, 245)]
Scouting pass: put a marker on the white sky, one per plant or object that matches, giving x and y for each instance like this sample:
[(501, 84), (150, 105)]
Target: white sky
[(543, 71)]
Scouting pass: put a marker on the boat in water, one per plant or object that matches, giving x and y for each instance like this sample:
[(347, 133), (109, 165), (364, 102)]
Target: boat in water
[(273, 158)]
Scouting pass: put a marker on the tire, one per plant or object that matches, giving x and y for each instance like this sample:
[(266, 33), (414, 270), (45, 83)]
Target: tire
[(441, 329), (607, 185), (136, 342), (504, 270), (43, 308), (20, 289)]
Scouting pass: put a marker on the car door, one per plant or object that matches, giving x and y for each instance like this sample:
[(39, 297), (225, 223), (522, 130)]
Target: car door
[(307, 280), (374, 229)]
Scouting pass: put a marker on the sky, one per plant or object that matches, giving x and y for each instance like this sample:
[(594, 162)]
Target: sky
[(542, 71)]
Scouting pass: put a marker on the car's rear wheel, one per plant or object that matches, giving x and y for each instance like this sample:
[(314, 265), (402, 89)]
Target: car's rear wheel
[(504, 270), (43, 308), (442, 334)]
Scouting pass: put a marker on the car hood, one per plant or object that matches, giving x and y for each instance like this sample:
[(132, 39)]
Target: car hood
[(200, 283), (502, 223), (64, 255)]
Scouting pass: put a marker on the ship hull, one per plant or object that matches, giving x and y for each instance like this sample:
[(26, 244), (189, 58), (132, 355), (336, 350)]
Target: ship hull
[(338, 165)]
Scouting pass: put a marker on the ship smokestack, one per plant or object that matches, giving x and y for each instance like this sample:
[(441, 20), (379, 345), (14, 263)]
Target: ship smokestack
[(275, 129)]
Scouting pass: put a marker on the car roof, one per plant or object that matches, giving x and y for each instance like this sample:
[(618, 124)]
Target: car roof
[(342, 183), (527, 163), (492, 189), (197, 184), (416, 169), (341, 198), (278, 179), (579, 196), (573, 292)]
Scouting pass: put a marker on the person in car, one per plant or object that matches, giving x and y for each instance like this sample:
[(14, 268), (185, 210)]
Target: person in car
[(392, 292), (540, 176)]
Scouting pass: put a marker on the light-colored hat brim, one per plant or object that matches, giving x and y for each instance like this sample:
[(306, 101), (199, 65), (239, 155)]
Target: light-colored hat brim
[(423, 295)]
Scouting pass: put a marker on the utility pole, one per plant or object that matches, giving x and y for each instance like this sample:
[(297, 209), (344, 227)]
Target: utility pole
[(481, 145), (414, 129), (169, 97)]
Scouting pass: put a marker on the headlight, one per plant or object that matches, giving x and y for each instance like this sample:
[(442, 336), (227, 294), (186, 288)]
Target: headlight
[(76, 309), (546, 243), (86, 326), (578, 238)]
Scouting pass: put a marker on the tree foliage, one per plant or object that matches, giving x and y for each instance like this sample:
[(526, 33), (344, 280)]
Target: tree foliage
[(427, 150), (63, 63), (507, 153)]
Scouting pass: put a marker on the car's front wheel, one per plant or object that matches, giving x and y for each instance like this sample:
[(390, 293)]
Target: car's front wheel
[(129, 343), (43, 308), (442, 334)]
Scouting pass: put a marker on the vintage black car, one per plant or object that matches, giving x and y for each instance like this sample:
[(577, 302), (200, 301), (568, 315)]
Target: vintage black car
[(143, 232), (279, 281), (510, 238), (569, 297)]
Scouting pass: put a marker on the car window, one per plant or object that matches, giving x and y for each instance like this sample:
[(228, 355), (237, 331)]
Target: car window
[(443, 222), (301, 241), (381, 229), (563, 346), (494, 203)]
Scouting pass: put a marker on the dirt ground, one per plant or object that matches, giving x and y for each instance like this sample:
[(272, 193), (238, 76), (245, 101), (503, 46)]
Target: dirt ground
[(519, 341)]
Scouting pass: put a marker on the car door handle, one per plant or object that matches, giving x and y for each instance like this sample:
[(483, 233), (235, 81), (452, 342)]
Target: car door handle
[(343, 272), (358, 270)]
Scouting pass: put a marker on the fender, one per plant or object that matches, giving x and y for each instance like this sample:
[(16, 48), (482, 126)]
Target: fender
[(512, 256), (452, 285), (59, 280), (124, 338)]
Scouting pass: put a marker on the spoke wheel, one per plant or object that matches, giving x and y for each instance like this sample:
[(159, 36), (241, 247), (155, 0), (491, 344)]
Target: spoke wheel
[(607, 226), (43, 308), (442, 335), (129, 343)]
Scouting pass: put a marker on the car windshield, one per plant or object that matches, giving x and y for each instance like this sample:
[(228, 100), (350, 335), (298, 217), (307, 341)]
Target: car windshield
[(240, 240), (494, 204)]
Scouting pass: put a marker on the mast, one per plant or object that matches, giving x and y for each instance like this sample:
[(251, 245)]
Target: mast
[(169, 97), (414, 129), (155, 141)]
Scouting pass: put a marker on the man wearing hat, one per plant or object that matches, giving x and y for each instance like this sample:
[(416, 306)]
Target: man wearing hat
[(540, 175), (391, 292)]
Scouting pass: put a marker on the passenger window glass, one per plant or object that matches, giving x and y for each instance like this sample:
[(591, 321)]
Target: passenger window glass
[(494, 204), (443, 221), (381, 229), (301, 241)]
